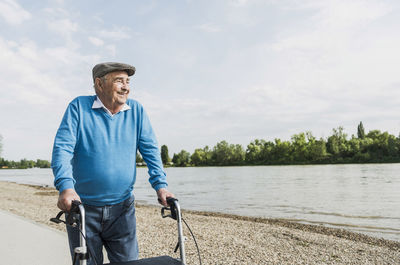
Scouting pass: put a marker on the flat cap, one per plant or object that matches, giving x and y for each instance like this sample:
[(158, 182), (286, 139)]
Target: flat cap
[(102, 69)]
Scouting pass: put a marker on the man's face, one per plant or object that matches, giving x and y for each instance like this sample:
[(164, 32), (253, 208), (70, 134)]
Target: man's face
[(114, 88)]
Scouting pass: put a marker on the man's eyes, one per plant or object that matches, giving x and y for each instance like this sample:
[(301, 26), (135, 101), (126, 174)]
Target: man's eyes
[(121, 81)]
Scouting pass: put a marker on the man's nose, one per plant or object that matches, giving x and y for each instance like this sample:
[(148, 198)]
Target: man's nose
[(125, 86)]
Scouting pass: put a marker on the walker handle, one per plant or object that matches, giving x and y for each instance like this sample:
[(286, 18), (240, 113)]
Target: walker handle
[(73, 215), (171, 203), (171, 200), (75, 206)]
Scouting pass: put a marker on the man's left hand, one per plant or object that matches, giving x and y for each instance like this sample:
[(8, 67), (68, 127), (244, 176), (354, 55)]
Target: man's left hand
[(162, 195)]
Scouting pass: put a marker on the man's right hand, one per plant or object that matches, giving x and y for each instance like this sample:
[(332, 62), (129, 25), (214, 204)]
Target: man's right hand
[(65, 199)]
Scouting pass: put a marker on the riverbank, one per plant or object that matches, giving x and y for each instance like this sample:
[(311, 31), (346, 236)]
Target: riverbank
[(223, 239)]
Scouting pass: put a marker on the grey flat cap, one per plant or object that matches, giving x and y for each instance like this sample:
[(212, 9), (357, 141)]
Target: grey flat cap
[(102, 69)]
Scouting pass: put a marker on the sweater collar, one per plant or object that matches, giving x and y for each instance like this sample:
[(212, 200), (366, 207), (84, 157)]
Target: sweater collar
[(97, 104)]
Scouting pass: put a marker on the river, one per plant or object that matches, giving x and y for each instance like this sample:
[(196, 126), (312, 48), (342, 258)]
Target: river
[(363, 198)]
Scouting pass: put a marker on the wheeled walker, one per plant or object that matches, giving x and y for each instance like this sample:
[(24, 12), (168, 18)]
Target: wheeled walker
[(76, 218)]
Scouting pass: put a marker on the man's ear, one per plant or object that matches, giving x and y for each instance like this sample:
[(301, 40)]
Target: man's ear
[(98, 84)]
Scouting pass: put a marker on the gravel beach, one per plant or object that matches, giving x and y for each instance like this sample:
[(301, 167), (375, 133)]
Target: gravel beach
[(223, 239)]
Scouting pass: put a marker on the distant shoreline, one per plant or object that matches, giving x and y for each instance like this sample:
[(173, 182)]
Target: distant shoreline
[(255, 165), (294, 164)]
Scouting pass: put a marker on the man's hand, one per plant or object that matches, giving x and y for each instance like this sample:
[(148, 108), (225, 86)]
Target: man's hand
[(162, 195), (65, 199)]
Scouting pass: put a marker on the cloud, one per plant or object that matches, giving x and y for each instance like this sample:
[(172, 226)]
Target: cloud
[(13, 13), (26, 65), (239, 3), (343, 14), (338, 49), (329, 21), (96, 41), (120, 33), (62, 22), (266, 69), (39, 86), (209, 27), (63, 26), (112, 49), (326, 68)]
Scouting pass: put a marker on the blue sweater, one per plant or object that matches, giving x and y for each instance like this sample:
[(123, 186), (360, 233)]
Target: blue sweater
[(95, 153)]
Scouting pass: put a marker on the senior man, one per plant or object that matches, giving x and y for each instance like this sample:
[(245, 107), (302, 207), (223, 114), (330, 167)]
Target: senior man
[(93, 161)]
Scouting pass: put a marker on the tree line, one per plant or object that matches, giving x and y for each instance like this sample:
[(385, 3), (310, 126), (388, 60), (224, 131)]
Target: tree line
[(24, 163), (303, 148)]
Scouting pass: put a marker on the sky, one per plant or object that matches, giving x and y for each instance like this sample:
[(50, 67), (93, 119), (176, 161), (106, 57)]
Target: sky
[(207, 71)]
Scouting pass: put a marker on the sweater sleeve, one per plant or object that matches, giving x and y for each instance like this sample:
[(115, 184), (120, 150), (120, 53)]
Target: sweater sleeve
[(63, 149), (148, 147)]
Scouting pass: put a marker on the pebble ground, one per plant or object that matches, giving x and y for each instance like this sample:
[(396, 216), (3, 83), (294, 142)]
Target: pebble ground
[(222, 239)]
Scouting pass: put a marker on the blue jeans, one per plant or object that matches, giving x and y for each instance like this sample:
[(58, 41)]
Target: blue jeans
[(112, 226)]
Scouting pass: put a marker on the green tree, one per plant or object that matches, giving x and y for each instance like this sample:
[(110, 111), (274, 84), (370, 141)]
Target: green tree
[(23, 163), (201, 157), (333, 145), (221, 153), (238, 154), (281, 153), (380, 145), (354, 145), (267, 152), (393, 147), (260, 152), (316, 150), (225, 154), (164, 155), (365, 144), (253, 152), (208, 156), (182, 159), (374, 134), (360, 131), (42, 163), (299, 147), (336, 144)]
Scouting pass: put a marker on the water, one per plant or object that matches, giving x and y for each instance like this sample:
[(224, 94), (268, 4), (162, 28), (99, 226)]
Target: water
[(360, 198)]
